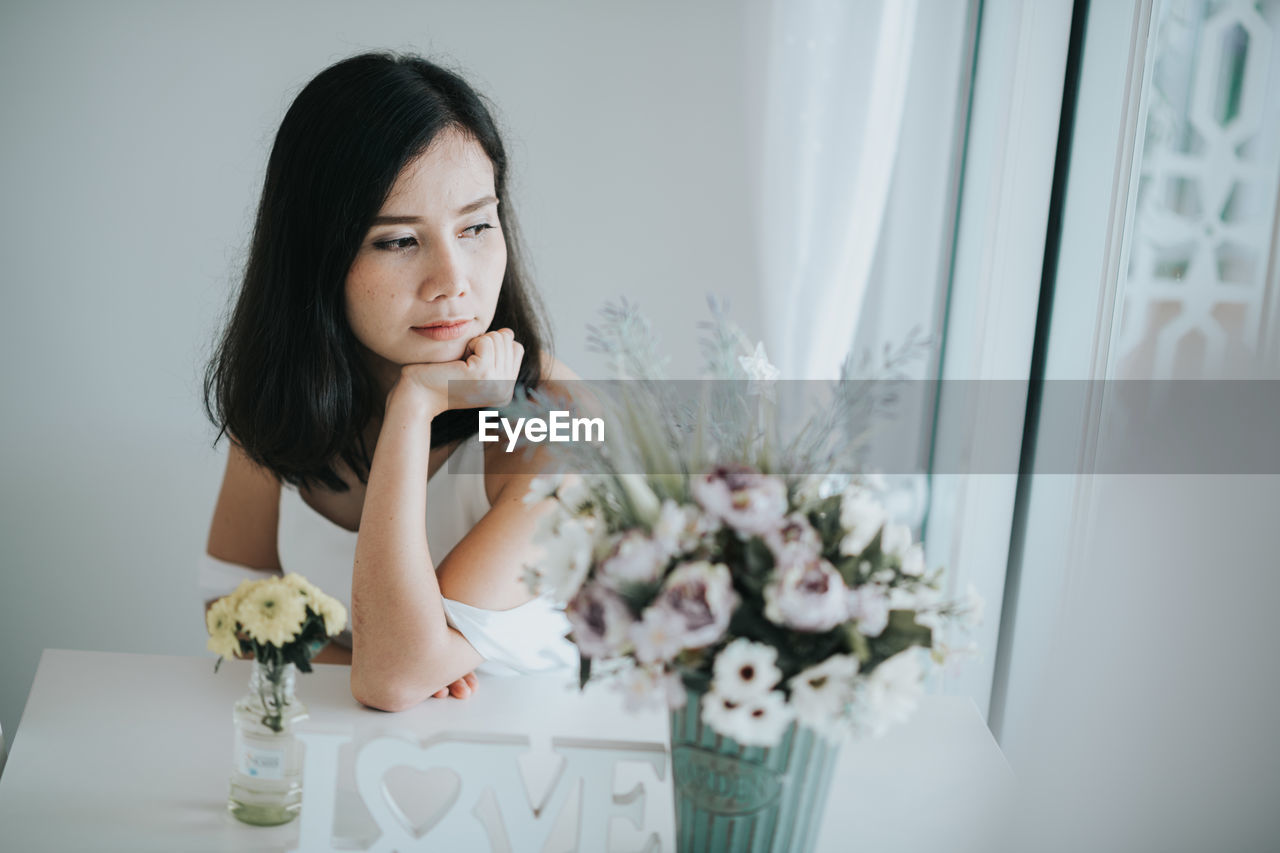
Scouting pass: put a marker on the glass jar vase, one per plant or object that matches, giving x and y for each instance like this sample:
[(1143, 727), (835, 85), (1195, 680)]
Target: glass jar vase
[(266, 782)]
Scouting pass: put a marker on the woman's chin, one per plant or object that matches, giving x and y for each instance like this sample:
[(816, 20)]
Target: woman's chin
[(438, 352)]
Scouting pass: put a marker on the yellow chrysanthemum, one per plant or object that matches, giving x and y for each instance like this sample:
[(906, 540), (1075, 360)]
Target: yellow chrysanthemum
[(239, 593), (335, 615), (221, 622), (305, 588), (324, 606), (272, 612)]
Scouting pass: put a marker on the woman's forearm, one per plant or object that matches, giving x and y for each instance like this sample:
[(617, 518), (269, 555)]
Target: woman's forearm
[(400, 635)]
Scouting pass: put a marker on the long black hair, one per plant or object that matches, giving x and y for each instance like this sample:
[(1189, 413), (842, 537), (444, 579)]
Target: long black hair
[(286, 379)]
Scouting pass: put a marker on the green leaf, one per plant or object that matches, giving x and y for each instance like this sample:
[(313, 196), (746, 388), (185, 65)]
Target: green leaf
[(858, 645), (584, 671), (848, 569), (757, 557), (825, 519), (902, 633)]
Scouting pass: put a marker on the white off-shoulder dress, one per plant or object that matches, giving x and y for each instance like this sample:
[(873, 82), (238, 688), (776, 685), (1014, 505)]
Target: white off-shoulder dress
[(530, 638)]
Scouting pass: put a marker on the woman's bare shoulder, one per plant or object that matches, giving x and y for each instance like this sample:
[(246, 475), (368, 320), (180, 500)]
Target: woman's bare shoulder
[(555, 370), (508, 472)]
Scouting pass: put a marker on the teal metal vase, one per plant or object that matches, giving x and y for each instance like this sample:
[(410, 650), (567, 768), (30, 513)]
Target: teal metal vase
[(746, 799)]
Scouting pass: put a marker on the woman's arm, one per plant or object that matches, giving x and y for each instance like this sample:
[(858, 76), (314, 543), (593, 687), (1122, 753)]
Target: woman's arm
[(243, 533), (403, 649), (243, 529)]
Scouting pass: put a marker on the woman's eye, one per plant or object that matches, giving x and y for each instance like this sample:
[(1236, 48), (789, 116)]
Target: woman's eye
[(399, 244), (477, 228)]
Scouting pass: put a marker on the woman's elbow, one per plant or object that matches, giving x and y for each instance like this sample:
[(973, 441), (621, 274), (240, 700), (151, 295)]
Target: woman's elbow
[(390, 697)]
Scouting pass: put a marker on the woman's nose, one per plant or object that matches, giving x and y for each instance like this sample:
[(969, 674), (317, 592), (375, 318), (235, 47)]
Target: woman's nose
[(444, 275)]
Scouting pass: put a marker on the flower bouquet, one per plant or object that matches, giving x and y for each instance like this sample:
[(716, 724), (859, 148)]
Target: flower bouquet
[(705, 558), (282, 623)]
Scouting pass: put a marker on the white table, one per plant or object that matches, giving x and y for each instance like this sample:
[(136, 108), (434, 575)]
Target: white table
[(122, 751)]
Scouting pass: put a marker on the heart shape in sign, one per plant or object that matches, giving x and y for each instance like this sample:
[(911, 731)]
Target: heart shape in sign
[(426, 771), (419, 799)]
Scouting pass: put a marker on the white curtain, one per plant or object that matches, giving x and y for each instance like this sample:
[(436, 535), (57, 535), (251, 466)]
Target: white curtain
[(835, 87)]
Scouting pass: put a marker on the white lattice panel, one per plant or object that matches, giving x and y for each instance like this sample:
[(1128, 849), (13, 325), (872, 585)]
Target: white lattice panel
[(1199, 279)]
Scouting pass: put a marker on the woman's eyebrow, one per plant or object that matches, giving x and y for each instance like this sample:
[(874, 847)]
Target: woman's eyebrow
[(462, 211)]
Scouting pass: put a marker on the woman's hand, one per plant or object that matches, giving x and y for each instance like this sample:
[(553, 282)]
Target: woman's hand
[(460, 689), (488, 367)]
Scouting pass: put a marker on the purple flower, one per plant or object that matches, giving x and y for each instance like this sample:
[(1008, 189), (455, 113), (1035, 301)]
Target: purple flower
[(634, 558), (658, 636), (869, 605), (806, 596), (700, 595), (601, 621), (682, 528), (748, 501), (795, 541)]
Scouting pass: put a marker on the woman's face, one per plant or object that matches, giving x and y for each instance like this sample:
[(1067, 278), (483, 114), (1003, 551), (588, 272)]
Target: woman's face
[(435, 254)]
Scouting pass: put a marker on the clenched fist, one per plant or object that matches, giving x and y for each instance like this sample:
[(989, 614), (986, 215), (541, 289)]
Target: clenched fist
[(484, 377)]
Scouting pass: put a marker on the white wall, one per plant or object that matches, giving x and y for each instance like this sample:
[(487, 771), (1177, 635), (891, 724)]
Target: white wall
[(135, 136)]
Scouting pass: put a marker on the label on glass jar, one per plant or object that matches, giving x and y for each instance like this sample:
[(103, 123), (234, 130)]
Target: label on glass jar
[(258, 762)]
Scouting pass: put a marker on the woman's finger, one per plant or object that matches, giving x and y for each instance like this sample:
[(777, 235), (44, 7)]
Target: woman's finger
[(481, 348)]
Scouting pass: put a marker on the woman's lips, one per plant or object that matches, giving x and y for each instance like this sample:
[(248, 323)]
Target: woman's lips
[(442, 333)]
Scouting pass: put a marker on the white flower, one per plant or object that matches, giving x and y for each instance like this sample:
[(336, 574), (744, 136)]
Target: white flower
[(972, 607), (744, 669), (647, 687), (541, 487), (641, 497), (567, 544), (634, 558), (861, 516), (821, 695), (759, 721), (757, 366), (673, 685), (913, 561), (573, 493), (890, 694), (923, 600), (895, 539), (679, 528), (881, 576), (806, 596), (658, 636), (701, 595), (601, 621), (748, 501), (794, 541), (869, 606), (642, 687)]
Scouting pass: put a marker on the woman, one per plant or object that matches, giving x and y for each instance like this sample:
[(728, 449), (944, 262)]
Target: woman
[(384, 263)]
